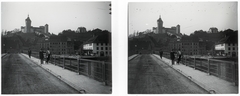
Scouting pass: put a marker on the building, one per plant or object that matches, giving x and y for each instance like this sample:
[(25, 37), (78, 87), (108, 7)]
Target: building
[(81, 30), (213, 30), (98, 46), (161, 29), (227, 46), (189, 46), (154, 30), (58, 45), (160, 25), (30, 29)]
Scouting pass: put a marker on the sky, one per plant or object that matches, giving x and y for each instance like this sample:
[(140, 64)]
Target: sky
[(191, 16), (58, 15)]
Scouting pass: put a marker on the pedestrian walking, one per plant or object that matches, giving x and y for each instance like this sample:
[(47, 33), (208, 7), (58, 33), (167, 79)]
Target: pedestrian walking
[(41, 56), (161, 54), (48, 54), (172, 56), (179, 56), (29, 53)]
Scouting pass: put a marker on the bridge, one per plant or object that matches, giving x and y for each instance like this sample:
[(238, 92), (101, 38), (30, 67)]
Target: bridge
[(63, 75), (149, 74)]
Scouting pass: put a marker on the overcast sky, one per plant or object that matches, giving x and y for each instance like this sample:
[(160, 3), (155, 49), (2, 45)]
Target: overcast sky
[(190, 16), (58, 15)]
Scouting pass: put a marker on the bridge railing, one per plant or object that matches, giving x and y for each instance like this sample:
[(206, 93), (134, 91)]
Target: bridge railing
[(98, 70), (227, 70)]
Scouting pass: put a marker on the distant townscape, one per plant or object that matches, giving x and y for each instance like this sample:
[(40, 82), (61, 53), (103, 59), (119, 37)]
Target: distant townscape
[(202, 43), (83, 42)]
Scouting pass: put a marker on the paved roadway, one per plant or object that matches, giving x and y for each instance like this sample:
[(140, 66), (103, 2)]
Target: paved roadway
[(149, 75), (22, 76)]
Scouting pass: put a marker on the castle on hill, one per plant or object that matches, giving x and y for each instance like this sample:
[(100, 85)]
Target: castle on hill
[(161, 29), (30, 29)]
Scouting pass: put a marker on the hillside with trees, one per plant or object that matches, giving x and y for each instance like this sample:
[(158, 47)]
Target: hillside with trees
[(161, 41), (20, 40)]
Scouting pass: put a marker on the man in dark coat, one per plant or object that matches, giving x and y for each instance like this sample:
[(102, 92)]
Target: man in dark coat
[(29, 53), (161, 54), (41, 56), (172, 56)]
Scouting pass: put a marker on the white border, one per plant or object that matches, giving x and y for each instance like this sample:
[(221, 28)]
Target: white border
[(119, 42)]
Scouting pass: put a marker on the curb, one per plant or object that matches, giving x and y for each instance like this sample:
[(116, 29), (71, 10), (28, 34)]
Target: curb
[(211, 91), (4, 55), (133, 57), (82, 91)]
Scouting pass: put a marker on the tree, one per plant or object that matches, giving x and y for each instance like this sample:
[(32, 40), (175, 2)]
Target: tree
[(41, 36)]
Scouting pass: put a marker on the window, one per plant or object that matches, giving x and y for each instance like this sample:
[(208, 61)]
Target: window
[(102, 44), (233, 44), (229, 44), (106, 48), (97, 44), (233, 48), (97, 48), (229, 48), (101, 48), (106, 52)]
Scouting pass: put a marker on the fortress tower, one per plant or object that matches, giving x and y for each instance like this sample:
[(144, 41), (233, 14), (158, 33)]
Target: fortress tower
[(159, 25), (178, 29), (46, 28), (28, 25)]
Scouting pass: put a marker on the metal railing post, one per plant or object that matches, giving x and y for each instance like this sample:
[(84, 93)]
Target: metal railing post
[(103, 72), (219, 69), (194, 62), (208, 66), (63, 62), (78, 64), (59, 60), (55, 60), (70, 61), (89, 69), (233, 72), (185, 60)]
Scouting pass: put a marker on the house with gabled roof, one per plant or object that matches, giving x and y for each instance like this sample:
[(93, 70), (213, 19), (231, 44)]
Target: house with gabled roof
[(227, 46), (99, 45)]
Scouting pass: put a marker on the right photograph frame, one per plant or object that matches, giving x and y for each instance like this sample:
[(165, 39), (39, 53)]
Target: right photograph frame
[(183, 48)]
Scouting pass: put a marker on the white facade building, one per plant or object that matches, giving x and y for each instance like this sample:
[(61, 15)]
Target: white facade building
[(98, 46), (227, 47)]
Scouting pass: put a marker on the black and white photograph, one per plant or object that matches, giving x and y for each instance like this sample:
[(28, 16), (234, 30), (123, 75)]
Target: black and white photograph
[(182, 48), (56, 47)]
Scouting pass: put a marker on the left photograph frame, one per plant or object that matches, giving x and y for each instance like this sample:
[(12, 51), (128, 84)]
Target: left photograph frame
[(56, 48)]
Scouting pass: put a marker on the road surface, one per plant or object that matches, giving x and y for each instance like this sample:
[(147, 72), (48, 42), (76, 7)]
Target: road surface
[(22, 76), (149, 75)]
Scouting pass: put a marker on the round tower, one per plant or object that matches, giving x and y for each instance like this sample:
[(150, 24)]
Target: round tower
[(159, 25), (46, 28), (28, 25), (178, 29)]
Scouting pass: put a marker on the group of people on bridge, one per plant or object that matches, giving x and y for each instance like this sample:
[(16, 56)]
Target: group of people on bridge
[(172, 55), (41, 55)]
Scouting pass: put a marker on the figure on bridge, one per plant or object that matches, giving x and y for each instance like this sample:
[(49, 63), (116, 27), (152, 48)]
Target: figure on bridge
[(172, 56), (48, 54), (29, 53), (179, 56), (161, 54), (41, 56)]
